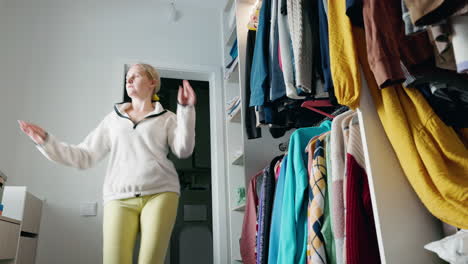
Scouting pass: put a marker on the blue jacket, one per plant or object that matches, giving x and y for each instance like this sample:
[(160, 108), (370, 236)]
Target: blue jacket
[(259, 78)]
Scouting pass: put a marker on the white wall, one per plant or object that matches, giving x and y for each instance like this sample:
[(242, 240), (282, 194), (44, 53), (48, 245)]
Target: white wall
[(60, 68)]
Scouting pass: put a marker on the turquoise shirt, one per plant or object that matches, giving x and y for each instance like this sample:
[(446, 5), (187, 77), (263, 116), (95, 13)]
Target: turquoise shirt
[(292, 245)]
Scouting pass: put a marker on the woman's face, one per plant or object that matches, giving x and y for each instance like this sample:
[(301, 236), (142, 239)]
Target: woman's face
[(138, 84)]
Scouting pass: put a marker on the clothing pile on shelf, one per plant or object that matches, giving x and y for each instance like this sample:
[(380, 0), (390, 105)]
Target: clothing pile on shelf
[(313, 204), (233, 106), (411, 56)]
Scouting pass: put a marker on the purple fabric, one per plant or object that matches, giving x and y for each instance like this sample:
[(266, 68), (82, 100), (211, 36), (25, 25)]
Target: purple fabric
[(261, 220)]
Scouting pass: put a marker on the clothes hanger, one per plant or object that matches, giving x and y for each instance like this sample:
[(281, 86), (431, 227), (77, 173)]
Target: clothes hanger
[(317, 103), (337, 112), (313, 104)]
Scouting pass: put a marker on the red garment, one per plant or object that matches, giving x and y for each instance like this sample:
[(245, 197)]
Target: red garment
[(361, 238), (248, 240)]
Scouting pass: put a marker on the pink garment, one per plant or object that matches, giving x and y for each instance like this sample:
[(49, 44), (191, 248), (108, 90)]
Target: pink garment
[(278, 169), (248, 240)]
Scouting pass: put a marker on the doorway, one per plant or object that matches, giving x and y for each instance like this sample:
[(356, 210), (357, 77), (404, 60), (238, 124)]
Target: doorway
[(192, 237), (192, 240)]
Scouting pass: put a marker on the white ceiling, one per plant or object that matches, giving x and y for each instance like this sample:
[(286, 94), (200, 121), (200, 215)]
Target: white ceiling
[(217, 4), (194, 4)]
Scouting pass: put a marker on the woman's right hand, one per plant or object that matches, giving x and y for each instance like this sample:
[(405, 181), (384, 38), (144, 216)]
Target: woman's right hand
[(36, 133)]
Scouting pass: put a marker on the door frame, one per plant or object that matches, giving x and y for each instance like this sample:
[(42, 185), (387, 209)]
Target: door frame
[(213, 75)]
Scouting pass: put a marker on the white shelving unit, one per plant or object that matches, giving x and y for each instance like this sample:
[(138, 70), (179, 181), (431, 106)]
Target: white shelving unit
[(245, 157), (233, 128)]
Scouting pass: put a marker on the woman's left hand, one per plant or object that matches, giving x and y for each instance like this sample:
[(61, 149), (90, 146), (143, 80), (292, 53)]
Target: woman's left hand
[(186, 94)]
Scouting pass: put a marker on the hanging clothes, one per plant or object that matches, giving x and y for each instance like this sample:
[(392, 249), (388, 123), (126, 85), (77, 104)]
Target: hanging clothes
[(431, 154), (249, 226), (345, 133), (259, 79), (327, 228), (261, 219), (293, 231), (327, 89), (286, 52), (250, 120), (278, 88), (338, 153), (276, 214), (387, 43), (316, 252), (343, 58), (302, 43), (267, 198)]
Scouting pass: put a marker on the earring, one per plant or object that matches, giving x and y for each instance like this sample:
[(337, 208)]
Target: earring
[(155, 97)]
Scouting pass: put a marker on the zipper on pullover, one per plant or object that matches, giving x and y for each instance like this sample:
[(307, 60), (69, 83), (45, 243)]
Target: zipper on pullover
[(137, 123)]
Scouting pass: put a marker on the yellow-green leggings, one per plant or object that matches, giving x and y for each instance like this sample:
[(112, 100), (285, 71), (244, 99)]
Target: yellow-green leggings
[(152, 215)]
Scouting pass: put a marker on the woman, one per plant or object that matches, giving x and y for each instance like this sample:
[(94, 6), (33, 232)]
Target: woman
[(141, 187)]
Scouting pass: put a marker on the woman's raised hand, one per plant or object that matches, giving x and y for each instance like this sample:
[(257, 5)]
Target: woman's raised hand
[(186, 95), (36, 133)]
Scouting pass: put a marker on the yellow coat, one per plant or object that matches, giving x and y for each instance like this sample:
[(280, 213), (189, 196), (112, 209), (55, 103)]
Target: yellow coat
[(432, 155)]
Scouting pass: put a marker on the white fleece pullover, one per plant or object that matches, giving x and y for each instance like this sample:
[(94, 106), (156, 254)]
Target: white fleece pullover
[(138, 163)]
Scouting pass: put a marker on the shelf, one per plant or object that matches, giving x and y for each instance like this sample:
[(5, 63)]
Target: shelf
[(232, 74), (236, 116), (231, 36), (238, 159), (240, 208)]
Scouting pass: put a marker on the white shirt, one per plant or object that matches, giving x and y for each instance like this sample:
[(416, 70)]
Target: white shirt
[(138, 163)]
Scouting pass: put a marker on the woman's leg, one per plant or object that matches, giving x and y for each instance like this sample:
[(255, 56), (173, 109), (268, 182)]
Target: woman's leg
[(120, 225), (157, 220)]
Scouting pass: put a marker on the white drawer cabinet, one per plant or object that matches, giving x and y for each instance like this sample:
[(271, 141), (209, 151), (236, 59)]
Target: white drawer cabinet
[(9, 235), (27, 250), (31, 214), (25, 207)]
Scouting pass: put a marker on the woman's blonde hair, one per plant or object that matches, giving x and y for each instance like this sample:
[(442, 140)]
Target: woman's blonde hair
[(152, 74)]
